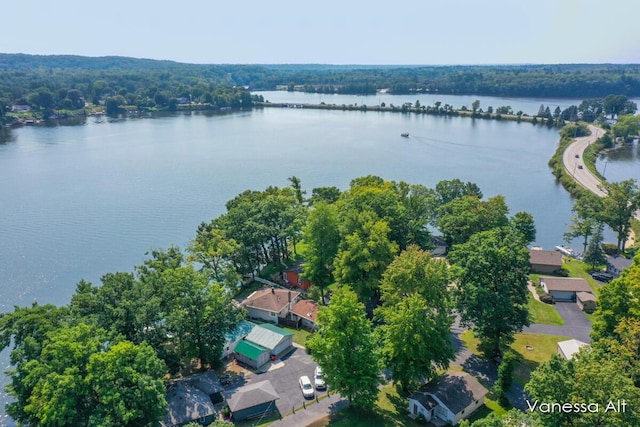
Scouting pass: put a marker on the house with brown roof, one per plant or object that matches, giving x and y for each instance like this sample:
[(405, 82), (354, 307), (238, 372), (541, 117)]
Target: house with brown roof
[(544, 261), (564, 288), (269, 304), (452, 397), (305, 313)]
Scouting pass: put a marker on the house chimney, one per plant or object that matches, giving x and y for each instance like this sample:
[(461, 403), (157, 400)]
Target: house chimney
[(289, 296), (273, 290)]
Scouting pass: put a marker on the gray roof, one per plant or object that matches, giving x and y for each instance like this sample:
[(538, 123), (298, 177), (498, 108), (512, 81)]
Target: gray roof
[(542, 257), (619, 263), (186, 403), (571, 284), (267, 337), (250, 395), (456, 390), (585, 296)]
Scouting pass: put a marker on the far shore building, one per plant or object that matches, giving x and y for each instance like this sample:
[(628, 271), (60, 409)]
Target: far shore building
[(451, 398), (544, 262), (270, 303)]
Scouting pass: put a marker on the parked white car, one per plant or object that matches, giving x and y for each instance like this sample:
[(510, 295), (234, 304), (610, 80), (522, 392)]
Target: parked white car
[(318, 379), (306, 387)]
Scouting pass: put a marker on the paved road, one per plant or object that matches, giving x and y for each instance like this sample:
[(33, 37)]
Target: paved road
[(572, 163), (576, 325)]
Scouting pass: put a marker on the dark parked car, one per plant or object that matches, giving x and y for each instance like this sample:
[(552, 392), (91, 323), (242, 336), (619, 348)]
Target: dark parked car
[(601, 276)]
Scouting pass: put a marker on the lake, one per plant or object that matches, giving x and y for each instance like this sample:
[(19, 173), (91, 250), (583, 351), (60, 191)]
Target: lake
[(80, 201)]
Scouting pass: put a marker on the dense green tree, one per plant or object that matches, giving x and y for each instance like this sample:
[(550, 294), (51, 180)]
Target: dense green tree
[(416, 308), (59, 392), (126, 381), (214, 252), (620, 204), (523, 222), (467, 215), (589, 379), (200, 315), (586, 214), (594, 255), (364, 255), (626, 127), (354, 373), (321, 237), (474, 106), (325, 194), (297, 188), (617, 301), (448, 190), (492, 286), (513, 418)]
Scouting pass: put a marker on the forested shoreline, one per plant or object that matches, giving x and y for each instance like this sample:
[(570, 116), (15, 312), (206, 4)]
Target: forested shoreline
[(62, 82)]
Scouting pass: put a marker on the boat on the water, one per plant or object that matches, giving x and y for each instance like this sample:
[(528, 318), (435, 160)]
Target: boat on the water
[(566, 250), (405, 135)]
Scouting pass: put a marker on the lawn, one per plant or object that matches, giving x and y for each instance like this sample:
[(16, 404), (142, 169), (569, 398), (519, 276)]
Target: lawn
[(299, 335), (391, 410), (543, 313), (580, 269), (532, 350), (248, 290)]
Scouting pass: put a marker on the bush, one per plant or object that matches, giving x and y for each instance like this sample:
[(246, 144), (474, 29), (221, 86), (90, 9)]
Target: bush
[(610, 248), (562, 272), (547, 299)]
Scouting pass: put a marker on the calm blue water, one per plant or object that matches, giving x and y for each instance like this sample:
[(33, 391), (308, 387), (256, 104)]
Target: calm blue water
[(80, 201)]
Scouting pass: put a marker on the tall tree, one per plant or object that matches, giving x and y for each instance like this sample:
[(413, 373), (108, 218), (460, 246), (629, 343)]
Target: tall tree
[(617, 300), (586, 214), (620, 204), (297, 188), (346, 350), (416, 308), (523, 222), (214, 251), (322, 238), (594, 255), (363, 255), (200, 315), (492, 286), (464, 216), (126, 382), (590, 379)]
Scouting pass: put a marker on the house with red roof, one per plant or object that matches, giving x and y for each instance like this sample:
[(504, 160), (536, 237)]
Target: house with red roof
[(269, 304)]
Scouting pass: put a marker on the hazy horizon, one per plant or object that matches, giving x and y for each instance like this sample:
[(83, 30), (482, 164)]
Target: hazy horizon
[(406, 32)]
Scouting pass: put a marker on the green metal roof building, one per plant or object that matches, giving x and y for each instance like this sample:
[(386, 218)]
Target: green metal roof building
[(251, 354)]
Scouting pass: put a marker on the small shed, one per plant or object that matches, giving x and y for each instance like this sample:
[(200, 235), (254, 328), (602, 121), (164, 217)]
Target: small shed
[(252, 400), (275, 339), (251, 354), (569, 348), (586, 301)]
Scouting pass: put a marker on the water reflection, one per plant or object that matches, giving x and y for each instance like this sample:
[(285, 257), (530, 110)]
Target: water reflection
[(6, 136)]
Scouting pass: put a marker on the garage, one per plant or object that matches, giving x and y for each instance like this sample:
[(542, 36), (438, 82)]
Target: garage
[(564, 288)]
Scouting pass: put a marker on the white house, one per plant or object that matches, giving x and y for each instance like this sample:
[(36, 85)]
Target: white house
[(305, 312), (269, 304), (452, 397)]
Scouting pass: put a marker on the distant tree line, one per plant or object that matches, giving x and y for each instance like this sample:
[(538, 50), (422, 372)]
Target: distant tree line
[(66, 82)]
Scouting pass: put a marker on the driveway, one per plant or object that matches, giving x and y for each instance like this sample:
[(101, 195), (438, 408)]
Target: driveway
[(576, 325), (283, 375)]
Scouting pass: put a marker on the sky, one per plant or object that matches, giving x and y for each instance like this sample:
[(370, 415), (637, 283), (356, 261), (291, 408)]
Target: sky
[(421, 32)]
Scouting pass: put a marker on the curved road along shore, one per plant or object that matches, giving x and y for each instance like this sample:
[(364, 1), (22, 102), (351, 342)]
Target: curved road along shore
[(572, 159)]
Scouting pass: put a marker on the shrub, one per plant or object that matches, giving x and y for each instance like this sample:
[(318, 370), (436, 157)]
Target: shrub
[(610, 248), (562, 272), (547, 299)]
